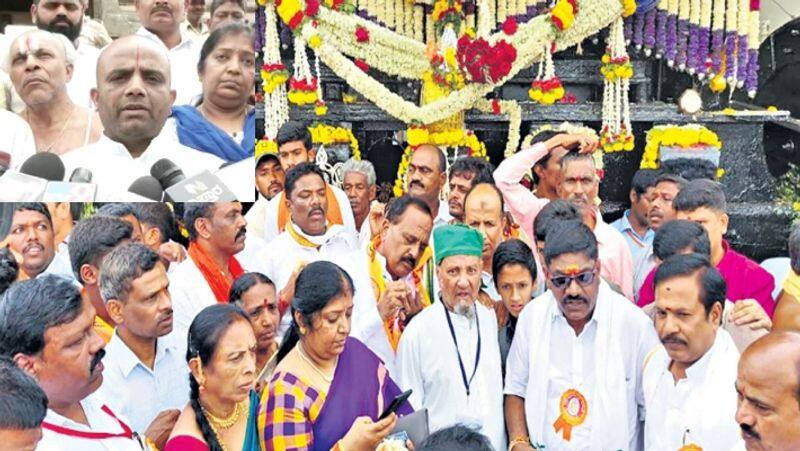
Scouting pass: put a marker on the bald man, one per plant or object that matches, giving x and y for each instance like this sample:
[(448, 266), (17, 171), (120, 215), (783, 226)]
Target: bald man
[(67, 18), (41, 65), (426, 176), (768, 385), (161, 21), (483, 210), (133, 98)]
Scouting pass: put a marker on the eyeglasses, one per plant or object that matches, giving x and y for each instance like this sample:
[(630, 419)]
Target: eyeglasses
[(583, 279)]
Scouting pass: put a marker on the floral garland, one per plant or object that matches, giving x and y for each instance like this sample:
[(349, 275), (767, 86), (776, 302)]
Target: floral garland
[(447, 12), (418, 135), (302, 86), (511, 109), (753, 40), (563, 14), (273, 75), (278, 112), (788, 195), (683, 136), (617, 133), (546, 88), (325, 135), (572, 129)]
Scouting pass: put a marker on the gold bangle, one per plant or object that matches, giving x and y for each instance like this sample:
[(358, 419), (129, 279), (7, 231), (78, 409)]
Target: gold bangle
[(519, 440)]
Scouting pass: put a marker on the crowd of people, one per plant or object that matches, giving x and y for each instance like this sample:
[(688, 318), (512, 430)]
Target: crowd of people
[(518, 319), (180, 88)]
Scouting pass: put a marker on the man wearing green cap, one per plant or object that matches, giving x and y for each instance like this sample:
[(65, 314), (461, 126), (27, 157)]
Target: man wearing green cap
[(457, 379)]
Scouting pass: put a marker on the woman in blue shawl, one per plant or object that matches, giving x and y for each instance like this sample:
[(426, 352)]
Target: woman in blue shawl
[(222, 123)]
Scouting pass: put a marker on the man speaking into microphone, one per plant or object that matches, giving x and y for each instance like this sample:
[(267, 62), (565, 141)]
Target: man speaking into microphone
[(133, 98)]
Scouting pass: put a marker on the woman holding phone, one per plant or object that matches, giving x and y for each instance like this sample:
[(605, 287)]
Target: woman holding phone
[(328, 389)]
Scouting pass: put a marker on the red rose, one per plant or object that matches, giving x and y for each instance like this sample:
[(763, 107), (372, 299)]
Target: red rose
[(295, 21), (510, 26), (361, 64), (362, 34), (495, 106), (557, 22), (312, 7)]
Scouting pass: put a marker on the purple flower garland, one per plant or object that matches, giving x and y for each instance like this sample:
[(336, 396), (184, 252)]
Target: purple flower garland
[(261, 19), (741, 62), (661, 33), (730, 53), (683, 38), (717, 37), (650, 30), (672, 38), (638, 31)]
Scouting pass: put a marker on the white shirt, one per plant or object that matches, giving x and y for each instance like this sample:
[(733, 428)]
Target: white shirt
[(488, 286), (271, 213), (114, 169), (704, 403), (365, 233), (442, 216), (62, 265), (183, 59), (240, 178), (16, 138), (428, 364), (84, 76), (138, 392), (100, 421), (286, 255), (539, 371)]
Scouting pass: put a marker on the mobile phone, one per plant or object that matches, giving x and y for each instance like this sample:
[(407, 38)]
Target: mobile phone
[(396, 403)]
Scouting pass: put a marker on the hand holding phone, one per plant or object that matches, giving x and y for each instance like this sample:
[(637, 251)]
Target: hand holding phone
[(395, 405)]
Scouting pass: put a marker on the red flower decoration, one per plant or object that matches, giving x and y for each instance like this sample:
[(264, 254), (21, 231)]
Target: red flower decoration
[(362, 34), (295, 21), (495, 106), (485, 62), (361, 64), (312, 7), (510, 26)]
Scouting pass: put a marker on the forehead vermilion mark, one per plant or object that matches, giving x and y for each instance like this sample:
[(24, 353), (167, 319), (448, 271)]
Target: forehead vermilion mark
[(138, 55), (572, 270)]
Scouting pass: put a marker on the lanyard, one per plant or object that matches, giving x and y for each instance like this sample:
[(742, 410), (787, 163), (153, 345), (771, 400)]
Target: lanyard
[(467, 383), (126, 430)]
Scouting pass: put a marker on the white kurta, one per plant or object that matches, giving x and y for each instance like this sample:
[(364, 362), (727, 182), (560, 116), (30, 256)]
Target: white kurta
[(16, 138), (702, 406), (183, 60), (286, 254), (428, 364), (84, 76), (604, 363), (100, 421), (114, 169), (271, 230), (240, 178), (138, 392)]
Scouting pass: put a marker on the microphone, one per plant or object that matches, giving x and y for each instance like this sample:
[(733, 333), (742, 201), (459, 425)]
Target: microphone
[(78, 189), (30, 182), (81, 175), (5, 162), (147, 186), (202, 187), (44, 165)]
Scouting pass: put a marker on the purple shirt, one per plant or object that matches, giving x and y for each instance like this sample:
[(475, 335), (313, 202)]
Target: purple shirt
[(744, 277)]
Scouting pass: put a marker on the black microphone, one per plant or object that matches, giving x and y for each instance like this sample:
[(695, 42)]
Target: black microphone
[(167, 173), (147, 186), (81, 175), (44, 165)]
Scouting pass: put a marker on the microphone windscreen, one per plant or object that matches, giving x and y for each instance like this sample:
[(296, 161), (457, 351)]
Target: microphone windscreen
[(44, 165), (167, 173), (81, 175), (147, 186), (5, 160)]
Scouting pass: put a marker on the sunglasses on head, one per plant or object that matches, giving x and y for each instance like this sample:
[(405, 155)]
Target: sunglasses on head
[(583, 279)]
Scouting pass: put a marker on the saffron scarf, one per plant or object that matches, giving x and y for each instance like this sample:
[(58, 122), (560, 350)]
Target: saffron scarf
[(792, 285), (197, 132), (220, 285), (394, 326), (333, 215)]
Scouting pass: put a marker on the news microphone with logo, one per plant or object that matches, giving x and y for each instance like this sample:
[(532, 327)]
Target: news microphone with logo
[(79, 188), (30, 182), (202, 187)]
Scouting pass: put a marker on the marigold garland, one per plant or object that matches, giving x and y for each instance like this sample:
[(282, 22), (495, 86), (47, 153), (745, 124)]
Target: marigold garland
[(325, 135), (683, 136), (273, 75)]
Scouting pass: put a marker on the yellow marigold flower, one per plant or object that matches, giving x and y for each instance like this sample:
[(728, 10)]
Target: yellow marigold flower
[(315, 41)]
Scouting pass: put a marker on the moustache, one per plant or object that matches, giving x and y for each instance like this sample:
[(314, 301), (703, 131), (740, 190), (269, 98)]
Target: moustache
[(242, 232), (416, 183), (96, 360), (166, 315), (161, 8), (749, 431), (672, 338), (62, 19), (32, 245), (316, 210), (571, 299), (412, 262)]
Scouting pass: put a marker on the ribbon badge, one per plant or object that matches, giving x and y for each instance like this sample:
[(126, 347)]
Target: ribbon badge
[(573, 408)]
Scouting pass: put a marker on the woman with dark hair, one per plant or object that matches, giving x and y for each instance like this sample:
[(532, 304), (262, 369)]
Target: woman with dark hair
[(328, 390), (221, 414), (514, 273), (222, 123), (255, 294)]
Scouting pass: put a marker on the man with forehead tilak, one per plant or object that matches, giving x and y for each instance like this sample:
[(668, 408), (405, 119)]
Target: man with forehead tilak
[(133, 98), (41, 65)]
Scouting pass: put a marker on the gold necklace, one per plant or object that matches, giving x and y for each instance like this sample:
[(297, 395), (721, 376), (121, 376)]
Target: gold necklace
[(219, 437), (314, 366), (224, 423)]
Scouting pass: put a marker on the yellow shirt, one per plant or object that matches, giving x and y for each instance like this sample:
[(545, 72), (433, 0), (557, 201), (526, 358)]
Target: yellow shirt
[(103, 329)]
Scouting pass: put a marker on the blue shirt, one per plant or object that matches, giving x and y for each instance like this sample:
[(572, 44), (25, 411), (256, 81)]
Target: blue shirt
[(636, 243)]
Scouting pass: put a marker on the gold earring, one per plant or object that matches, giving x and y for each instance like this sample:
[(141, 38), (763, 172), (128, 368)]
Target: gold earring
[(302, 331)]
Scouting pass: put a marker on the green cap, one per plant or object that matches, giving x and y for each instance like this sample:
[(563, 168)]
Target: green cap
[(456, 239)]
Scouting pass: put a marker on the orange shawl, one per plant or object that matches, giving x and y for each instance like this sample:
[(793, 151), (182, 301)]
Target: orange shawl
[(334, 214), (219, 283)]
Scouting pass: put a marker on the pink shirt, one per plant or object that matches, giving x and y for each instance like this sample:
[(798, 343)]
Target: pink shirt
[(744, 277), (616, 263)]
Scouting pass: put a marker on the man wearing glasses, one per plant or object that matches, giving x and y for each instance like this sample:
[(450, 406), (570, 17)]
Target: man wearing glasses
[(573, 374)]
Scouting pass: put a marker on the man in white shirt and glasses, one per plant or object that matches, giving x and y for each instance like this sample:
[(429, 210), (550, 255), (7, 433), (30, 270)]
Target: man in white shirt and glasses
[(573, 374)]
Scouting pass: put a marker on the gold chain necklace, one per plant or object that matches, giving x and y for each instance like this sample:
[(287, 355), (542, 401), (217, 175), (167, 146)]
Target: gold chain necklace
[(314, 366), (224, 423), (218, 436)]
